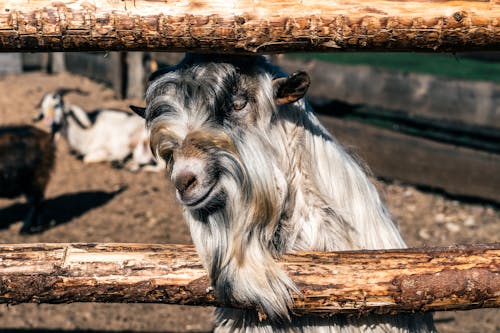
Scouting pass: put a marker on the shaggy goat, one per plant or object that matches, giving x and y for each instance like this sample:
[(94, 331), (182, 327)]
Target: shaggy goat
[(102, 135), (27, 157), (259, 176)]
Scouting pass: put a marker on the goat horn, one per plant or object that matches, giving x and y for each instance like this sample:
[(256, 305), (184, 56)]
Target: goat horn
[(38, 117), (63, 91)]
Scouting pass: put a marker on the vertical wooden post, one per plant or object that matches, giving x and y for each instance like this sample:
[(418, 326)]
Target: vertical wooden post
[(118, 72), (57, 63), (134, 75)]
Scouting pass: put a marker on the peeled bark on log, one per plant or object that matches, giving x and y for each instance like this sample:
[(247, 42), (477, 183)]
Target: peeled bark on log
[(462, 277), (245, 26)]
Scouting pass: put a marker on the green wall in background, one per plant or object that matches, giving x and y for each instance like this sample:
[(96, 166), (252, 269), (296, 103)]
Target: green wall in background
[(443, 64)]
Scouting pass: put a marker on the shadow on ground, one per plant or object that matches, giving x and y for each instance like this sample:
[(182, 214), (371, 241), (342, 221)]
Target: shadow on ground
[(61, 209)]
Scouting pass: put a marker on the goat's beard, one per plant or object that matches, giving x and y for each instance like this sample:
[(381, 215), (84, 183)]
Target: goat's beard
[(248, 179), (236, 237), (228, 179)]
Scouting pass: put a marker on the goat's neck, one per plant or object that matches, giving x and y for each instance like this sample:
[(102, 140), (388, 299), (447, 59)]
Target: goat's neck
[(304, 193), (336, 207), (77, 135)]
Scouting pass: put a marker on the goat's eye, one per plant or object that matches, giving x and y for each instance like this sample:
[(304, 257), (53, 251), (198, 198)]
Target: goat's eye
[(165, 152), (167, 156), (239, 103)]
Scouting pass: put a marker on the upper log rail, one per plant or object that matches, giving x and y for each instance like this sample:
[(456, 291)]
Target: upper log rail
[(382, 281), (247, 26)]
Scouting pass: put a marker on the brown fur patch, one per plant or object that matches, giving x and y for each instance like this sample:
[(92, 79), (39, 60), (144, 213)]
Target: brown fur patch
[(261, 221), (47, 160), (162, 139), (31, 152), (286, 100), (205, 139)]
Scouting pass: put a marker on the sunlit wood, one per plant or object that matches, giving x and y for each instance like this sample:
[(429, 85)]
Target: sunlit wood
[(245, 26), (360, 282)]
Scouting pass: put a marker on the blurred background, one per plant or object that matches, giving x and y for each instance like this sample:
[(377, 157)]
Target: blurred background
[(427, 125)]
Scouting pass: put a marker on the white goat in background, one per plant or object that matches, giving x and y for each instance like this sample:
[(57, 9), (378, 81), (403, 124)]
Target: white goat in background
[(259, 176), (101, 135)]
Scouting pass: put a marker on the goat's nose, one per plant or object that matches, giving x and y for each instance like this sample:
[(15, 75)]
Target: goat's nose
[(185, 182)]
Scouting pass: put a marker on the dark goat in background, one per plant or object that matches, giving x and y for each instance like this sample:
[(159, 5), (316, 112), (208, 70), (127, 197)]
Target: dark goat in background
[(27, 156)]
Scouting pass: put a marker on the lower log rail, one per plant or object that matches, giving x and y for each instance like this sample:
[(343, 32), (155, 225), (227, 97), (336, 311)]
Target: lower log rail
[(380, 281)]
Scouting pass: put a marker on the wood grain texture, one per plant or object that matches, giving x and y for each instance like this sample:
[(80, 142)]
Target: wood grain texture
[(461, 277), (245, 26)]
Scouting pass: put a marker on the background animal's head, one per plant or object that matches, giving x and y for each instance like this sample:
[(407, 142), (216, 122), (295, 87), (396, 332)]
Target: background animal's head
[(199, 111), (53, 110)]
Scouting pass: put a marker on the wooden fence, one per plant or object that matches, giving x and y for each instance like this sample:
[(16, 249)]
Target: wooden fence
[(382, 281), (245, 26)]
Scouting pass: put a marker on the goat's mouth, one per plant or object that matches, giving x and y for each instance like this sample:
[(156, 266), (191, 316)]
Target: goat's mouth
[(198, 200)]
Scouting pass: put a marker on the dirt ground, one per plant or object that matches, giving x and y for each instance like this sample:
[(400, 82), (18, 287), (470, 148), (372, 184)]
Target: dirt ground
[(97, 203)]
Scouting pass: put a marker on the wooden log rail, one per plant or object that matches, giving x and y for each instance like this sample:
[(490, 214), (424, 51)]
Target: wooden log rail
[(462, 277), (247, 26)]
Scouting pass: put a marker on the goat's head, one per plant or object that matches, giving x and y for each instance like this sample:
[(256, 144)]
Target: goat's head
[(52, 108), (198, 112)]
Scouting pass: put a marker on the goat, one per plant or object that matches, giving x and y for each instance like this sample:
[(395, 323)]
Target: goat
[(27, 156), (259, 176), (102, 135)]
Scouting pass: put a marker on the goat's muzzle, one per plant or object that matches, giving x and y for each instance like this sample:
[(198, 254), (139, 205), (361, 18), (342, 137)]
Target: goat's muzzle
[(194, 190), (195, 162), (185, 183), (195, 169)]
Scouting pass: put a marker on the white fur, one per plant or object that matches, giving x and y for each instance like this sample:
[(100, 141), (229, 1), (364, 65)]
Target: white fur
[(113, 136), (286, 185)]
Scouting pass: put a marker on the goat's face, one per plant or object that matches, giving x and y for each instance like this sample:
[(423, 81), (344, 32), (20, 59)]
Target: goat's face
[(51, 111), (197, 113)]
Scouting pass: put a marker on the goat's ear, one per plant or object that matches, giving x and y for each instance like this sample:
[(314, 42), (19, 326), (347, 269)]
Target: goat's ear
[(291, 89), (39, 105), (64, 91), (138, 110), (38, 117)]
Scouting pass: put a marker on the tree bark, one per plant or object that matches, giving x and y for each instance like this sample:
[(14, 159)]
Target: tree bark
[(245, 26), (462, 277)]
